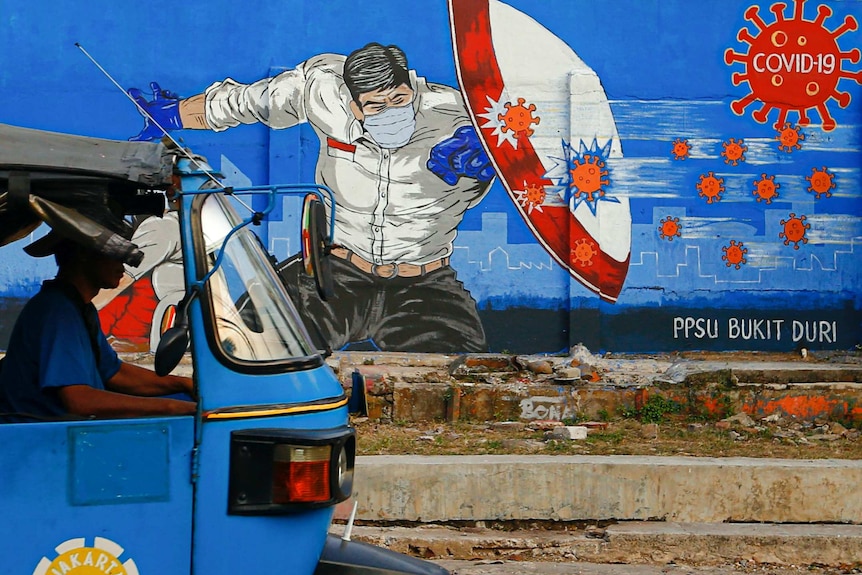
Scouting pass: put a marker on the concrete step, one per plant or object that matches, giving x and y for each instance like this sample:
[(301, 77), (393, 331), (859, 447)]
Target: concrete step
[(486, 387), (433, 489), (630, 543)]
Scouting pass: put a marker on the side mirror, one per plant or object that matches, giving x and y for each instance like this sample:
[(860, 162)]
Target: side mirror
[(316, 245), (172, 346), (175, 340)]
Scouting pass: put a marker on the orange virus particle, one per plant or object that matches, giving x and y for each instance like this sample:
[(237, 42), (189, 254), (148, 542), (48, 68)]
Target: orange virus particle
[(669, 228), (821, 182), (680, 149), (789, 138), (793, 65), (587, 177), (518, 118), (794, 230), (583, 252), (710, 187), (765, 189), (734, 254), (734, 151), (532, 197)]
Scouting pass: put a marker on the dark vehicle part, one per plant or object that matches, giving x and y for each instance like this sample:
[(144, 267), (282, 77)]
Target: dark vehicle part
[(342, 557)]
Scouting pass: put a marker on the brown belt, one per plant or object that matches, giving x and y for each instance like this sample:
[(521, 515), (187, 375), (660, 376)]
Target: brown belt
[(387, 271)]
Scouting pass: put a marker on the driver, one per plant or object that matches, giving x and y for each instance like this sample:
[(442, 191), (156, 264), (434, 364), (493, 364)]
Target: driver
[(59, 363)]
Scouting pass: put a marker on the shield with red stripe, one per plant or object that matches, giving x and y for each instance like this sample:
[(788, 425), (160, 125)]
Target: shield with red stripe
[(546, 123)]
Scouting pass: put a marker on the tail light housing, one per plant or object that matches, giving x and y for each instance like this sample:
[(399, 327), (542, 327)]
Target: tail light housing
[(276, 471)]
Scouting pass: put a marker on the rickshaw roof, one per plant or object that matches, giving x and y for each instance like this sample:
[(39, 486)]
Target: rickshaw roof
[(147, 164), (74, 171)]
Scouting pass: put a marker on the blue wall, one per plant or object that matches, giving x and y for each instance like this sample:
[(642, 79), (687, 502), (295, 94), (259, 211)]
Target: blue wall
[(662, 66)]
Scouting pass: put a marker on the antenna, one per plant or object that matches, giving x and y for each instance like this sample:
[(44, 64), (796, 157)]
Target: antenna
[(149, 116)]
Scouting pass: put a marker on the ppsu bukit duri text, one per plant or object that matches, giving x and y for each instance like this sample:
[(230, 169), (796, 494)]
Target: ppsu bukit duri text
[(810, 331)]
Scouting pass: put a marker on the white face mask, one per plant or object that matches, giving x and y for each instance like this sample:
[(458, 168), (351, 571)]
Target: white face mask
[(392, 127)]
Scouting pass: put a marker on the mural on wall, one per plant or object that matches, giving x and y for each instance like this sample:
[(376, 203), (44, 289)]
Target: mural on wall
[(631, 176), (547, 123), (404, 164), (136, 313)]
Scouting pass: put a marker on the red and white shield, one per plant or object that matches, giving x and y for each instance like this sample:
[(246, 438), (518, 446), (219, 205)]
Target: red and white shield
[(546, 123)]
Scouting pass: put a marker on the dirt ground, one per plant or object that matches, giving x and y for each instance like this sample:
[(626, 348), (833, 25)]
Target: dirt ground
[(673, 435)]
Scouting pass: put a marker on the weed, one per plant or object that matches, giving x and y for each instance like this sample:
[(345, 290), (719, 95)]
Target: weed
[(653, 411), (656, 407), (612, 437)]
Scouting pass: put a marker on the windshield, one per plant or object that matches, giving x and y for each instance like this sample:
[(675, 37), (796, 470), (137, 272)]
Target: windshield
[(252, 315)]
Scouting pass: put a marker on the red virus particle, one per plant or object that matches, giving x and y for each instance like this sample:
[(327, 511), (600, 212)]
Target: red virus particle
[(734, 254), (680, 149), (532, 197), (587, 177), (710, 187), (519, 118), (789, 138), (583, 252), (765, 189), (734, 151), (820, 182), (669, 228), (793, 65), (794, 230)]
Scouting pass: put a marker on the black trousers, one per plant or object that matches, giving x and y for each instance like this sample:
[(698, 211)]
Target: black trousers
[(433, 313)]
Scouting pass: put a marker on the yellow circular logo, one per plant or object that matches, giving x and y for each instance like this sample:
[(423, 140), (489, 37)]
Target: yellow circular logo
[(74, 557)]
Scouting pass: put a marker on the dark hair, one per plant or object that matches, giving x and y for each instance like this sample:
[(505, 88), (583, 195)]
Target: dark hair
[(375, 67)]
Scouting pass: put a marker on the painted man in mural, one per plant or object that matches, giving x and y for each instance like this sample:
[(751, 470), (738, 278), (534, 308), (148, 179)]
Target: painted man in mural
[(404, 164), (132, 313)]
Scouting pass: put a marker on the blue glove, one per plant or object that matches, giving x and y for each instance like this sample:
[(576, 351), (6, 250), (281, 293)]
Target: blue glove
[(164, 109), (461, 155)]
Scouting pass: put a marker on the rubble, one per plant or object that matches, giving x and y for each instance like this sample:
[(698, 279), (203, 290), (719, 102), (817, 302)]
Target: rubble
[(749, 392)]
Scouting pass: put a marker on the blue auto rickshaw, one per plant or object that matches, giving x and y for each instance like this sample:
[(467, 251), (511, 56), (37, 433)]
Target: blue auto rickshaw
[(247, 485)]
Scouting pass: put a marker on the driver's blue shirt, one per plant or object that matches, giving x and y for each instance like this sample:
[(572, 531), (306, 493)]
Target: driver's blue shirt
[(51, 347)]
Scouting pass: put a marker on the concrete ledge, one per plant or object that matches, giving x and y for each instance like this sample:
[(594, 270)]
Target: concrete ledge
[(494, 387), (592, 488), (653, 543)]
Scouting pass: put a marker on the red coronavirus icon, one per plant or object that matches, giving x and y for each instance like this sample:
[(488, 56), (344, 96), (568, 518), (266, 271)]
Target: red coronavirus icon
[(789, 138), (734, 254), (669, 228), (794, 230), (734, 151), (793, 65), (583, 252), (680, 149), (587, 177), (766, 189), (519, 118), (710, 187), (532, 197), (820, 182)]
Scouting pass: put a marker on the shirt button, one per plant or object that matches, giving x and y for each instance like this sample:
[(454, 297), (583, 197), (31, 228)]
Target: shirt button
[(377, 260)]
